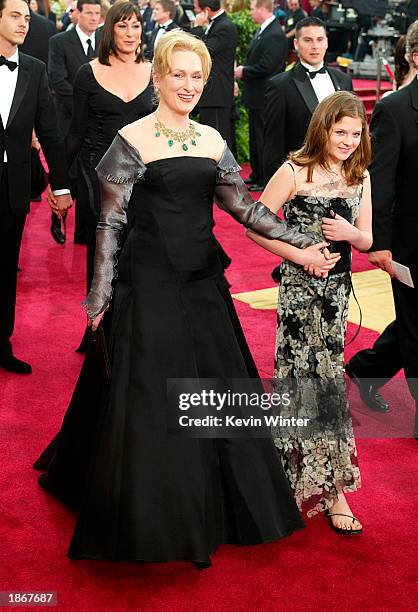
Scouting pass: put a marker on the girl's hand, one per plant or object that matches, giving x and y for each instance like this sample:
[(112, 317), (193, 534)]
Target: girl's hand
[(338, 228), (318, 256), (314, 271)]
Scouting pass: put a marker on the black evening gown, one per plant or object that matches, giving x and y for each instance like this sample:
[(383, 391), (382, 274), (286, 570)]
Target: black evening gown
[(144, 494)]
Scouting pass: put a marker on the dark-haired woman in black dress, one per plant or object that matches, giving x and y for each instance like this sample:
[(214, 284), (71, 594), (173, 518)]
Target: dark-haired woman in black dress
[(110, 92)]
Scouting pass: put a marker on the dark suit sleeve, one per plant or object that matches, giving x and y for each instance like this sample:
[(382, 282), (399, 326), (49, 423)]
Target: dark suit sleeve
[(198, 31), (386, 143), (47, 132), (80, 118), (274, 151), (273, 56), (58, 73)]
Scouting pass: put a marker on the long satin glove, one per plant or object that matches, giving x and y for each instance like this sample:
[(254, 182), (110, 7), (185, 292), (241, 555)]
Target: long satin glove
[(118, 170), (232, 196)]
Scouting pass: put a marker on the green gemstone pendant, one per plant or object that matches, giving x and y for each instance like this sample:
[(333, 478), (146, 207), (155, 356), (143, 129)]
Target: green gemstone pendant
[(185, 147), (194, 143), (170, 143), (157, 134), (198, 134)]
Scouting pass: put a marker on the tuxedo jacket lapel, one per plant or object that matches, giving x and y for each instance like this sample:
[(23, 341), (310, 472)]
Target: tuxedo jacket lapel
[(304, 85), (335, 80), (23, 79), (97, 38), (78, 47)]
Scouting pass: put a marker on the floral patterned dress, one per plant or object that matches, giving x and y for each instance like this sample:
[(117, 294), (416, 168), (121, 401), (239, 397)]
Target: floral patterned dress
[(312, 316)]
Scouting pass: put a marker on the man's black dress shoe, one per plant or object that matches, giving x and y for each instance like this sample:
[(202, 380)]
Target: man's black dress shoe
[(276, 275), (368, 393), (10, 363), (57, 234), (248, 181), (256, 187)]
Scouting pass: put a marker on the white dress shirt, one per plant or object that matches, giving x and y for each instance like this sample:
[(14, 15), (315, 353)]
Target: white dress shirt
[(8, 80), (321, 83), (84, 38), (161, 31)]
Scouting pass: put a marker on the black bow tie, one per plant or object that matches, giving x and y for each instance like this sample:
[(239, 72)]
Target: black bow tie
[(162, 27), (5, 62), (313, 73)]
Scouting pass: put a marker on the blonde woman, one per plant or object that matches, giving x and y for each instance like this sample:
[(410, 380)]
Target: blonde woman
[(149, 495)]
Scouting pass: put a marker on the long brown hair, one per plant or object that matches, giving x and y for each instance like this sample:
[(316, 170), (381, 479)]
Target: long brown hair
[(120, 11), (314, 150)]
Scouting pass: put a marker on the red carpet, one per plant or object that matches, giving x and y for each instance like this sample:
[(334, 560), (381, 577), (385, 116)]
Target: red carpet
[(313, 570)]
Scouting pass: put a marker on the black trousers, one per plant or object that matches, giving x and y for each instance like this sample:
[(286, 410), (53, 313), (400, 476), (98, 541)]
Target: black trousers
[(396, 347), (256, 125), (383, 360), (220, 119), (406, 307), (11, 230)]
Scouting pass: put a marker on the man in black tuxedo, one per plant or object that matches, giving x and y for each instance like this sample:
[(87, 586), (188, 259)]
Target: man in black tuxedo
[(37, 40), (163, 16), (266, 57), (25, 104), (394, 180), (67, 52), (292, 96), (221, 38)]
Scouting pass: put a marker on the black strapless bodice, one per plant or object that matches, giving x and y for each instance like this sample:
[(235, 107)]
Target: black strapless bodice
[(171, 213)]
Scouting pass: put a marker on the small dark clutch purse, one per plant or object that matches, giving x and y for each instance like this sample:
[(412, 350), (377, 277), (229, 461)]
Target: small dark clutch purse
[(100, 344), (38, 175), (343, 247)]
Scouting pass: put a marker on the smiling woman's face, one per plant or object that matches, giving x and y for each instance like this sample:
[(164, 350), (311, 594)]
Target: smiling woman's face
[(344, 138), (127, 35), (182, 87)]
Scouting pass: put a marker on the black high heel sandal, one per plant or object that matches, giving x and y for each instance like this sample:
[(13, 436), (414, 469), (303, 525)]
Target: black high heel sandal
[(329, 515)]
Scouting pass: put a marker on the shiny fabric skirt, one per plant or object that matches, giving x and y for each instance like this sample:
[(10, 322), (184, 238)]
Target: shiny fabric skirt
[(144, 494)]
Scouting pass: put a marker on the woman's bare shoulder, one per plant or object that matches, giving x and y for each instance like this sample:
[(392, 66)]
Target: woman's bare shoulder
[(212, 138), (136, 131)]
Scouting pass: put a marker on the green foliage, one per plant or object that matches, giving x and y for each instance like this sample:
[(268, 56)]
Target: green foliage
[(242, 135), (246, 30)]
